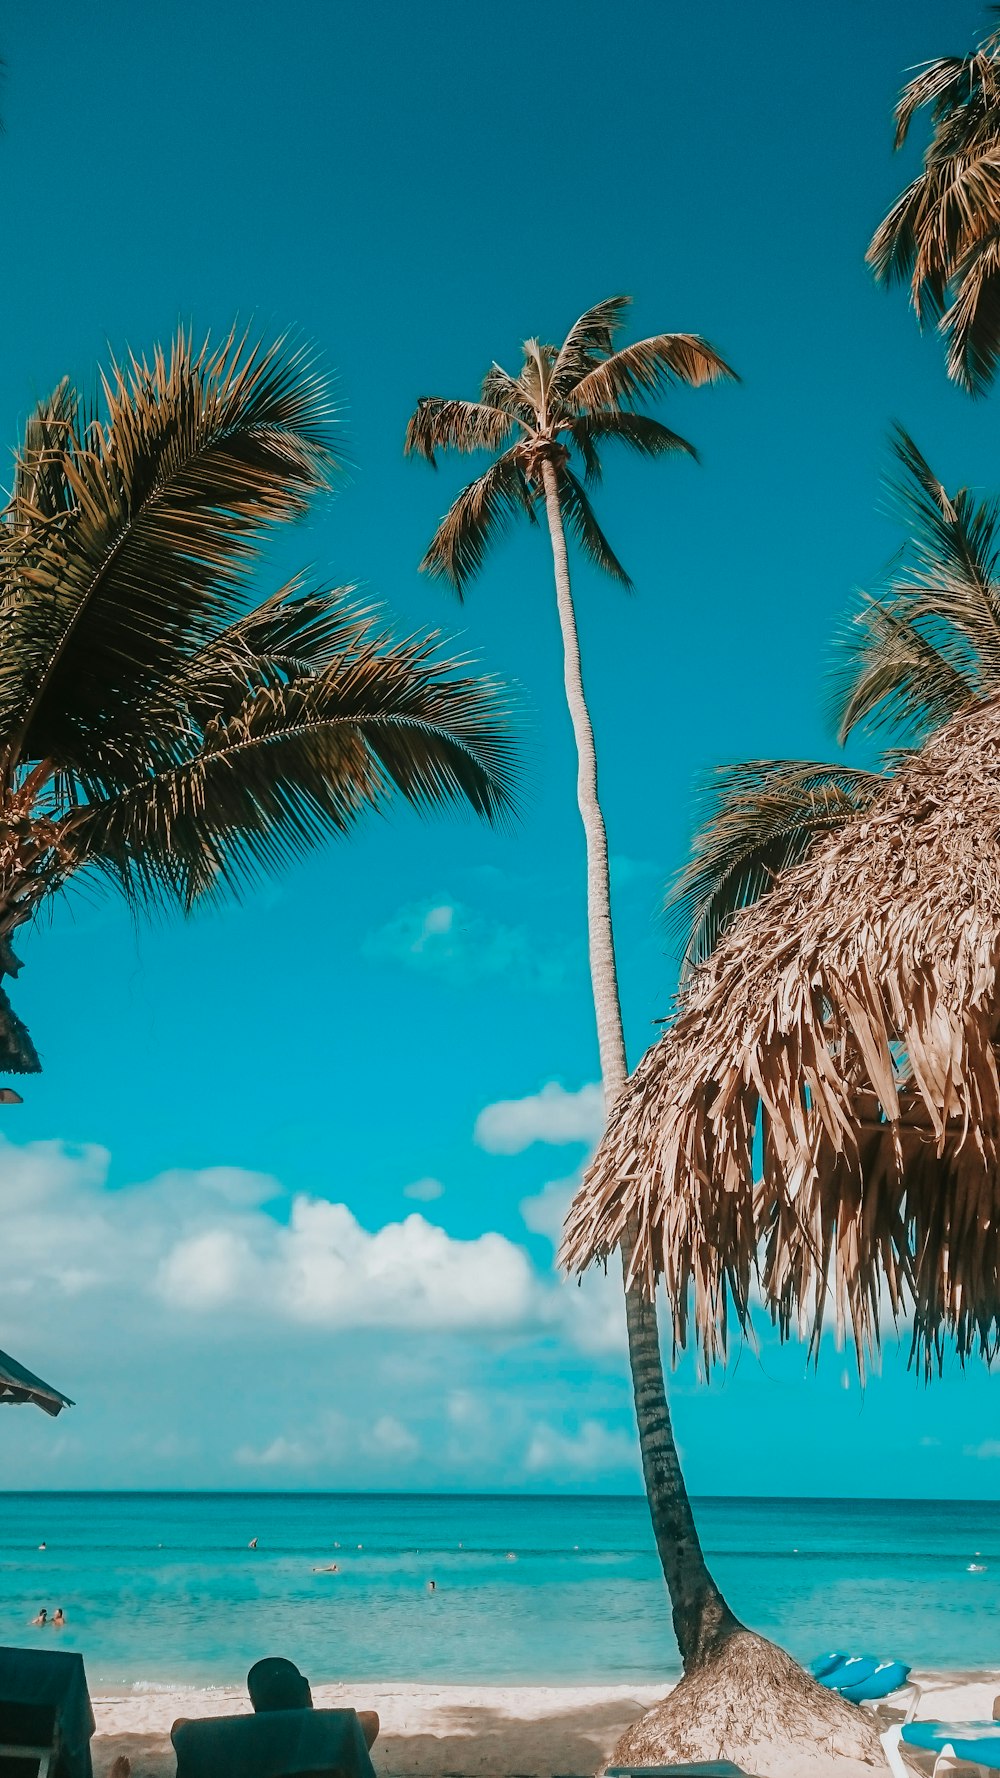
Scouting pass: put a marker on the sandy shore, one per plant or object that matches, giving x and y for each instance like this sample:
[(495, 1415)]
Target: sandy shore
[(431, 1731)]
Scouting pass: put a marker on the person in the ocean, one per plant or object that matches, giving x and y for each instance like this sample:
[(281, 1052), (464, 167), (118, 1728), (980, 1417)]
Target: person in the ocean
[(252, 1545), (42, 1618), (277, 1684), (59, 1619)]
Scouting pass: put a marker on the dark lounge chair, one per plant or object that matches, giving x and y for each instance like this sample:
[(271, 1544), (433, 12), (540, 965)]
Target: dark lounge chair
[(274, 1744), (45, 1717)]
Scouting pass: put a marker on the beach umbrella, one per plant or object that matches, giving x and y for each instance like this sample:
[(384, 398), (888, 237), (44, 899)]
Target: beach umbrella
[(19, 1385), (819, 1125)]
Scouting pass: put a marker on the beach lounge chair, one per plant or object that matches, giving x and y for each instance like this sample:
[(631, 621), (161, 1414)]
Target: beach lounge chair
[(45, 1716), (862, 1679), (274, 1744), (960, 1747)]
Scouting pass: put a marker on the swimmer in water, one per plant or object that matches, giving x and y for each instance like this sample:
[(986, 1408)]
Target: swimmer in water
[(59, 1620), (252, 1545), (41, 1546), (331, 1568), (42, 1618), (432, 1586)]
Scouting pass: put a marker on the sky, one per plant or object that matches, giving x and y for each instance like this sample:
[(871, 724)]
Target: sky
[(281, 1210)]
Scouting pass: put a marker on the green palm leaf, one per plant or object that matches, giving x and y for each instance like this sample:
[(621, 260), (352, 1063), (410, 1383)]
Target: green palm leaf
[(759, 818), (581, 520), (299, 760), (638, 432), (928, 644), (166, 502), (457, 425), (647, 368), (480, 514), (940, 234), (152, 727)]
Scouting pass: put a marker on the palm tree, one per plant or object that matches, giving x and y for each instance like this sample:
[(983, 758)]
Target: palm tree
[(564, 405), (920, 650), (942, 235), (821, 1120), (156, 729)]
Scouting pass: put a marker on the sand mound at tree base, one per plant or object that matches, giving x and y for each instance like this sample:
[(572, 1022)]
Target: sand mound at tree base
[(751, 1703)]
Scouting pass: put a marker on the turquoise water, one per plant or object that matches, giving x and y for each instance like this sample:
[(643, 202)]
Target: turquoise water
[(162, 1588)]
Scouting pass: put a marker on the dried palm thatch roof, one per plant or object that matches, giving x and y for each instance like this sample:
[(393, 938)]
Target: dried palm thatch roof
[(842, 1044)]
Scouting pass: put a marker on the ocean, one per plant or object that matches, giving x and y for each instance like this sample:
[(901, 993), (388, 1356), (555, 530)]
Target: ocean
[(163, 1590)]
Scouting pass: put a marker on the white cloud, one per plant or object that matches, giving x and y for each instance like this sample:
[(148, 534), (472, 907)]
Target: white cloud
[(281, 1453), (390, 1438), (445, 938), (202, 1246), (553, 1115), (545, 1213), (594, 1449), (280, 1335), (424, 1190)]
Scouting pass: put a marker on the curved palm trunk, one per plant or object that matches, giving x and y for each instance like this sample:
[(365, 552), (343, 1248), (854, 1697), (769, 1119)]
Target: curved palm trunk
[(702, 1619)]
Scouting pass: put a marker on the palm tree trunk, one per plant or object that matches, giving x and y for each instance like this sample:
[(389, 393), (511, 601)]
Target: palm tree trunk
[(702, 1619)]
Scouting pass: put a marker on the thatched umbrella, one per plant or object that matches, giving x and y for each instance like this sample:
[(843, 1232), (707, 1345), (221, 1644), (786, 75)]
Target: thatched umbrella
[(19, 1385), (844, 1036), (850, 1019)]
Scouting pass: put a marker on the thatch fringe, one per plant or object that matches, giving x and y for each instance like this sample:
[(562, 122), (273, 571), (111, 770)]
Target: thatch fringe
[(842, 1044)]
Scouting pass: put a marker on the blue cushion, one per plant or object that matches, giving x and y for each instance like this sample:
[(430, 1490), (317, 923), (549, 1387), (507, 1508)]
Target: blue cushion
[(887, 1677), (851, 1671), (824, 1664), (975, 1741)]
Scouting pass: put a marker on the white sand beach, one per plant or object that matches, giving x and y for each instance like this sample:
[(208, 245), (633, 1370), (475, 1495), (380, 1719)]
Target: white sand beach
[(430, 1731)]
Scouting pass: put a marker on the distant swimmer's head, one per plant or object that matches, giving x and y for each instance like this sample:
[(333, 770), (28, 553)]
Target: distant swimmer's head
[(60, 1616), (277, 1684)]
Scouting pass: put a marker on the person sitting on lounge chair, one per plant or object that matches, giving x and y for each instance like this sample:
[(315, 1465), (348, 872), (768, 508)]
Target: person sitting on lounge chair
[(277, 1684)]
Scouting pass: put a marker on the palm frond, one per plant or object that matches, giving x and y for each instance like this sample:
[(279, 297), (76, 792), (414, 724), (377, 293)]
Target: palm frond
[(945, 83), (438, 424), (647, 367), (501, 390), (972, 324), (759, 818), (639, 432), (581, 520), (588, 340), (301, 760), (476, 518), (893, 676), (169, 493), (928, 644)]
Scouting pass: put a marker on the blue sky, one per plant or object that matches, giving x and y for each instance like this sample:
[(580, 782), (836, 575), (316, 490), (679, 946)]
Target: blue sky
[(417, 189)]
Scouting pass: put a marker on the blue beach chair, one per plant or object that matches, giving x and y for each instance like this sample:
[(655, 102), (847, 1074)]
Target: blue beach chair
[(862, 1679), (955, 1745)]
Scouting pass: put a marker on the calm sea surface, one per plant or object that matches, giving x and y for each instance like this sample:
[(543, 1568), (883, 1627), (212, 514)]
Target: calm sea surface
[(162, 1588)]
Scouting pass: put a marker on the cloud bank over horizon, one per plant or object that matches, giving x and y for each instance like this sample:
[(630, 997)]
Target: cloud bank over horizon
[(222, 1328)]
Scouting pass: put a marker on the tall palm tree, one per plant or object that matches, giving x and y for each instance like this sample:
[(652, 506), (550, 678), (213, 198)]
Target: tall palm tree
[(921, 649), (543, 425), (942, 235), (156, 728)]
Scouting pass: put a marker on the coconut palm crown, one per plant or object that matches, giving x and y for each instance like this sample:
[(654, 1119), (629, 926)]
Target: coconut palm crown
[(566, 403), (158, 729), (942, 235)]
